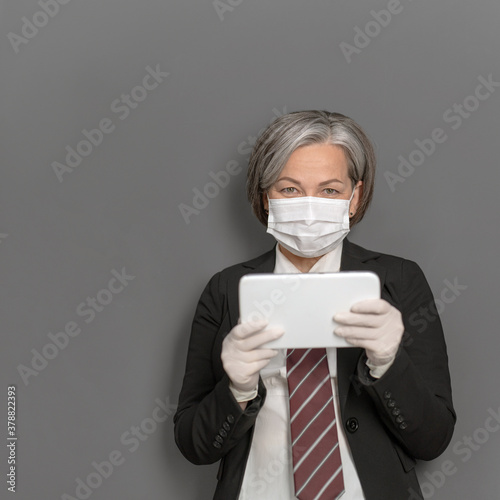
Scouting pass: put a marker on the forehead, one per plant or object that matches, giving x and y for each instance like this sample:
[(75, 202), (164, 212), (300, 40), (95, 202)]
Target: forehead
[(316, 160)]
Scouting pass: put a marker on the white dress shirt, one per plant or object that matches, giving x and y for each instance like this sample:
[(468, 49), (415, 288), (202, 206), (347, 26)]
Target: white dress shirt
[(269, 470)]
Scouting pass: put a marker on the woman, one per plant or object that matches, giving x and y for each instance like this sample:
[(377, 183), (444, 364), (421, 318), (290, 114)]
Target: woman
[(310, 178)]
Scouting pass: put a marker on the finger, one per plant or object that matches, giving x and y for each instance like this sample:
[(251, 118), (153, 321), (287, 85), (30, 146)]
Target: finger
[(260, 338), (258, 355), (356, 319), (355, 342), (259, 365), (371, 306), (248, 328), (357, 333)]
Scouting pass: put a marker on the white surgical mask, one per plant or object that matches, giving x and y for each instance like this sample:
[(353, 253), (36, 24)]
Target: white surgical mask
[(308, 226)]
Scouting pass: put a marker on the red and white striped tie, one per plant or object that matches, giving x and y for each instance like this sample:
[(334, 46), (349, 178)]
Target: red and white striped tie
[(317, 467)]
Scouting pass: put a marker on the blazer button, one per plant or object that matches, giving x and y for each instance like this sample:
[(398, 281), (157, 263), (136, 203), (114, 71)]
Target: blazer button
[(222, 433), (216, 444), (396, 412), (391, 403), (400, 419), (387, 395), (219, 439), (230, 419), (352, 425), (403, 425), (226, 426)]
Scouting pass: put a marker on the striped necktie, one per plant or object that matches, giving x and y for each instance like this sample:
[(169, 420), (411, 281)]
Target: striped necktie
[(317, 467)]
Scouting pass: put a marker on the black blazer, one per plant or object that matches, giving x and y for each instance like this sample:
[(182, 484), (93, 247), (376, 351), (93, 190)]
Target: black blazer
[(405, 415)]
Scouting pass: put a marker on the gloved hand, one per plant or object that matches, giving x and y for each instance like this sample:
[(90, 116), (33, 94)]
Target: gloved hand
[(242, 357), (375, 325)]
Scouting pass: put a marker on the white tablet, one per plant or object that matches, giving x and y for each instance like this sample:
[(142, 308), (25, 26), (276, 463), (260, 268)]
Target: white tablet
[(304, 304)]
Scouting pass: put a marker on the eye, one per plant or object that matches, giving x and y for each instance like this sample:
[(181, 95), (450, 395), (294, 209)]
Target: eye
[(331, 191), (289, 190)]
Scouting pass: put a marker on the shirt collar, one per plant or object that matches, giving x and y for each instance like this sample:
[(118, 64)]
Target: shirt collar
[(328, 263)]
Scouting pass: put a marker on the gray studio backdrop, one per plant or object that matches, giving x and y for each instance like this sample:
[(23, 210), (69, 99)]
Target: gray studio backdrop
[(118, 119)]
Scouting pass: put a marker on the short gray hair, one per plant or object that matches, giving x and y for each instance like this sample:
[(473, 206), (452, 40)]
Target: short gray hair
[(301, 128)]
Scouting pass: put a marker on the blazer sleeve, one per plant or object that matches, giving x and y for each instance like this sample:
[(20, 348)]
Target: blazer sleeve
[(209, 421), (413, 397)]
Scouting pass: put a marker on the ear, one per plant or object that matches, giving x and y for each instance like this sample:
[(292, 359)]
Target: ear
[(358, 194), (265, 202)]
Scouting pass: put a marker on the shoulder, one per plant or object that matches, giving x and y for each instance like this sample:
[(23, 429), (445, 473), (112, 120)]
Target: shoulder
[(264, 262), (352, 251), (394, 268), (214, 299), (230, 275)]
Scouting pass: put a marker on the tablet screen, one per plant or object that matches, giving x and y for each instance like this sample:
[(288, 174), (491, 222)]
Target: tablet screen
[(304, 304)]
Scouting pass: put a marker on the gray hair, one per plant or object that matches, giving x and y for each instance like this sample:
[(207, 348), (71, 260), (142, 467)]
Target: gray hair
[(301, 128)]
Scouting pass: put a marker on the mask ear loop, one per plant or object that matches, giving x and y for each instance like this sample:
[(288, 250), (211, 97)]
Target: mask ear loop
[(350, 199)]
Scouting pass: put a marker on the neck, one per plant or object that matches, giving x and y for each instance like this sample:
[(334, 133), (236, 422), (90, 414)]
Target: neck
[(303, 264)]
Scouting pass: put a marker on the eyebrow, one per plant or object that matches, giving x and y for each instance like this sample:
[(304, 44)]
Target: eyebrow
[(324, 183)]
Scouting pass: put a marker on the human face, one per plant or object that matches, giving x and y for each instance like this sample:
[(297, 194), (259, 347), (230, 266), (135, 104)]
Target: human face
[(319, 170)]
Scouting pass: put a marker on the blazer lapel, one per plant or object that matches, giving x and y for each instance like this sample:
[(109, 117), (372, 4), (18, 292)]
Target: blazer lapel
[(355, 258)]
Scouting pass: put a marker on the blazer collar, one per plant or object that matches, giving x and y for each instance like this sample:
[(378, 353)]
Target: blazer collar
[(354, 258)]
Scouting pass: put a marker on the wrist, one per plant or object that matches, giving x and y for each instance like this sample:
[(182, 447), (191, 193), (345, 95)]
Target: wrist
[(242, 395), (379, 368), (380, 358)]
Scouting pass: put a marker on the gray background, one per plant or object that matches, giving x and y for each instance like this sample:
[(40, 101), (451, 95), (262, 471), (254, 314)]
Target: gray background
[(229, 76)]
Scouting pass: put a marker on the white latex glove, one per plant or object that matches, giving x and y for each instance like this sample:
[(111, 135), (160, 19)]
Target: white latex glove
[(374, 325), (242, 357)]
